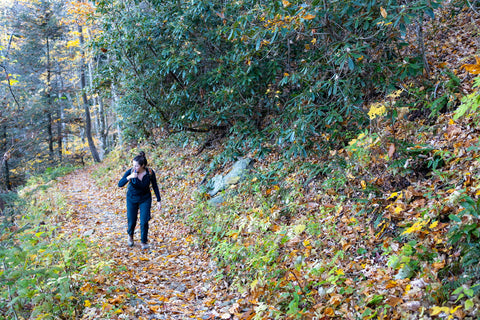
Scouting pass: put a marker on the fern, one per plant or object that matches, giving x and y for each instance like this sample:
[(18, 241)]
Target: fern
[(470, 102)]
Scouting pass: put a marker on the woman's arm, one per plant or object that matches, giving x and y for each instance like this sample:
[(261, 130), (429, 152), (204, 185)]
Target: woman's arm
[(155, 186), (124, 179)]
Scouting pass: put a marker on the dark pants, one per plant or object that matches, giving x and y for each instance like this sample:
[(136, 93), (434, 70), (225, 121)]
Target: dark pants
[(133, 205)]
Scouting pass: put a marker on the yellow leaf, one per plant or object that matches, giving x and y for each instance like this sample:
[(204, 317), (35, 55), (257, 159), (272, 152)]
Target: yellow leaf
[(417, 226), (87, 303), (398, 210), (253, 284), (383, 12), (286, 3), (376, 109), (306, 243), (434, 225), (364, 184), (309, 17), (299, 228), (452, 311), (395, 194), (437, 310), (73, 43), (340, 272), (408, 288), (339, 209), (10, 81)]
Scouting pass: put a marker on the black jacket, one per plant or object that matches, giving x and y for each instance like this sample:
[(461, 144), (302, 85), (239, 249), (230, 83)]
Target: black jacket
[(140, 188)]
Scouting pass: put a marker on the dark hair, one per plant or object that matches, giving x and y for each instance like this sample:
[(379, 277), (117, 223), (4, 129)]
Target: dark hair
[(141, 160)]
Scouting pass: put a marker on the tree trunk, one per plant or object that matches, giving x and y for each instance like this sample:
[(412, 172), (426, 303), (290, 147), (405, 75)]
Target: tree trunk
[(49, 105), (6, 170), (86, 107), (102, 128), (60, 114), (59, 133), (114, 105), (421, 44), (50, 136)]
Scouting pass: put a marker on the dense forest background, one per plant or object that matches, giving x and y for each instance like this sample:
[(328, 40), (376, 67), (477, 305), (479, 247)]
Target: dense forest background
[(259, 76), (360, 116)]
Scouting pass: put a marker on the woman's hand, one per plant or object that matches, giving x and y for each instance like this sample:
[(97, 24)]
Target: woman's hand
[(132, 175)]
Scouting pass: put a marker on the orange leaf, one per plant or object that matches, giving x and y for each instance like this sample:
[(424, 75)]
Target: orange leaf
[(154, 308), (393, 301), (335, 299), (117, 300), (391, 150), (438, 265), (383, 12), (473, 68), (391, 284), (309, 17), (329, 312), (275, 228)]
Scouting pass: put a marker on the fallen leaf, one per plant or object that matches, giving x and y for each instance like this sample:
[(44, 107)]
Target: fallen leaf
[(383, 12), (393, 301), (391, 150), (473, 68)]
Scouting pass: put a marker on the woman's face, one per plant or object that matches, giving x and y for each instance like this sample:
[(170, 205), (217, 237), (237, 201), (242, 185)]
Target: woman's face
[(136, 166)]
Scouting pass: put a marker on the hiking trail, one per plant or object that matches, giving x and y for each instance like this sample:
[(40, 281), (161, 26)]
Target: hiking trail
[(171, 280)]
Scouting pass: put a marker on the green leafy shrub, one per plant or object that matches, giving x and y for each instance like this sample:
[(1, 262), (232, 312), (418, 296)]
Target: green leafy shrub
[(41, 269), (470, 103), (465, 233), (255, 72)]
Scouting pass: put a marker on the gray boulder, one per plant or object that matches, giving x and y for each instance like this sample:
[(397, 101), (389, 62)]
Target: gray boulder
[(219, 182)]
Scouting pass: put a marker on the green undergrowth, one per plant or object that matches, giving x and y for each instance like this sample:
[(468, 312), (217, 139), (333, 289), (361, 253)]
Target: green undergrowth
[(41, 268), (295, 233), (44, 180), (263, 236)]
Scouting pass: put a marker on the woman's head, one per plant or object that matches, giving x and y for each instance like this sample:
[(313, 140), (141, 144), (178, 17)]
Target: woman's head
[(140, 161)]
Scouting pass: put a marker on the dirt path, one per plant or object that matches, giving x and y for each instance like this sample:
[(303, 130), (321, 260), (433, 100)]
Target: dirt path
[(171, 280)]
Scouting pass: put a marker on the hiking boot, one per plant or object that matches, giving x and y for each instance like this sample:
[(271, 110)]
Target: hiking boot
[(145, 246), (130, 241)]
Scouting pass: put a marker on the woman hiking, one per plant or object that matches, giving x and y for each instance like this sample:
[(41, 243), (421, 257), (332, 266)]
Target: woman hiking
[(139, 197)]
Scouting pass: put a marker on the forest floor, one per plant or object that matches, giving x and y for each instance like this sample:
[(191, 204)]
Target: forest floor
[(171, 280)]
